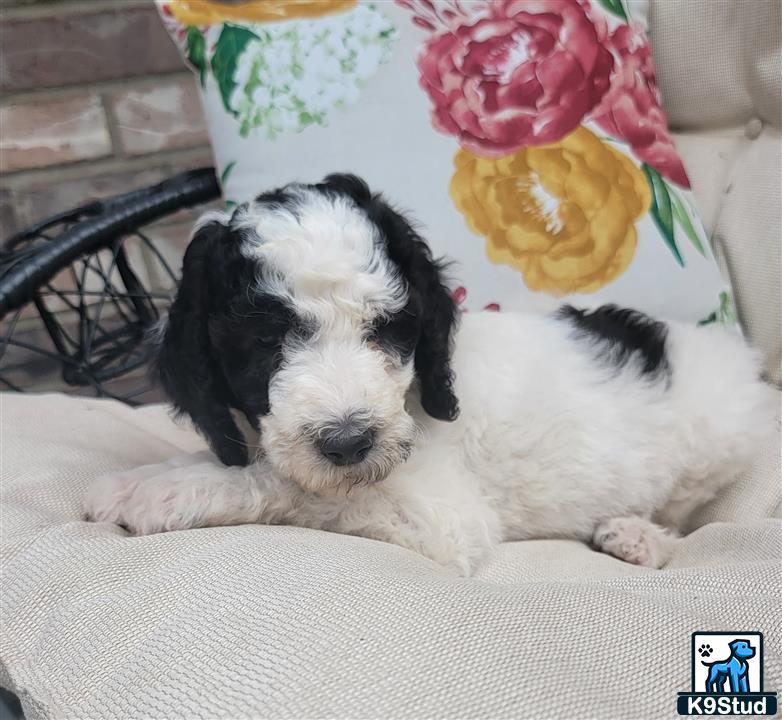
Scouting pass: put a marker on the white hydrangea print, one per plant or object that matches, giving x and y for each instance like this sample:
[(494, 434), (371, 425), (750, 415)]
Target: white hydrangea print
[(293, 73)]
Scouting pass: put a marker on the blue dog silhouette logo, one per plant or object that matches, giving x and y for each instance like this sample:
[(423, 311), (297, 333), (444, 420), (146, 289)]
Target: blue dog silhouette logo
[(727, 676), (734, 670)]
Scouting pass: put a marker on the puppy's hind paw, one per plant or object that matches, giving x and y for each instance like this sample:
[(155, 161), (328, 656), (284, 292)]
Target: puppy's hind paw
[(635, 540)]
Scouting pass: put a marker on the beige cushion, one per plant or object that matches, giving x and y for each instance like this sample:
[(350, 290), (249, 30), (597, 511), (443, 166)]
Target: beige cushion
[(719, 64), (280, 622)]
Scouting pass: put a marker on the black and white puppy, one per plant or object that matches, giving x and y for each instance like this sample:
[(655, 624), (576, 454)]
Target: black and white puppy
[(318, 313)]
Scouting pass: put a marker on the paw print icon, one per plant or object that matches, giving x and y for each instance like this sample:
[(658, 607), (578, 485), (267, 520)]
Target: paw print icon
[(705, 650)]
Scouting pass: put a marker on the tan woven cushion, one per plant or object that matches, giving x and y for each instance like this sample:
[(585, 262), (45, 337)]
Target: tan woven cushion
[(719, 64), (288, 623)]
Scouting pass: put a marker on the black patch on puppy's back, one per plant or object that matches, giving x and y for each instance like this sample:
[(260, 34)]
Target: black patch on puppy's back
[(622, 335)]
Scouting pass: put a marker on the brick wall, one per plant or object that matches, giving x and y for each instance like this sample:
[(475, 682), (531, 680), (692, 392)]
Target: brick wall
[(95, 101)]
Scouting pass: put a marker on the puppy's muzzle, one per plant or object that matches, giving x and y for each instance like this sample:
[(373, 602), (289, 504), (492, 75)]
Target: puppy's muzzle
[(346, 445)]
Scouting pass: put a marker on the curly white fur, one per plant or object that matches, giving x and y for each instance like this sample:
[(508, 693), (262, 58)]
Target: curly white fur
[(550, 443)]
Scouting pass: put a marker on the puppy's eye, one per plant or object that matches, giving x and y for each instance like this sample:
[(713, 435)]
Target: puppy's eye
[(270, 337), (398, 332)]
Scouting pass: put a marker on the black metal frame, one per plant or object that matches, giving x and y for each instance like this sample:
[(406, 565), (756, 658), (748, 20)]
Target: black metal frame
[(95, 322)]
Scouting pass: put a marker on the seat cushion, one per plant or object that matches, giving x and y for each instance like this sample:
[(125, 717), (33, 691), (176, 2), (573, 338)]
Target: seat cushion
[(723, 93), (281, 622)]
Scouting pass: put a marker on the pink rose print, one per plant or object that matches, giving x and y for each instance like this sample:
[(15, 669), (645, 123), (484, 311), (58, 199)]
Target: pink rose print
[(460, 296), (443, 14), (514, 73), (632, 109)]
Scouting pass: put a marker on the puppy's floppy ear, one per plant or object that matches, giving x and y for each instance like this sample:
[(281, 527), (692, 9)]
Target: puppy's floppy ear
[(350, 185), (186, 363), (428, 290), (437, 309)]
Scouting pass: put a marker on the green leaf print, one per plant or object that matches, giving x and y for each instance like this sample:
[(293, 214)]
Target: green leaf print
[(682, 217), (725, 314), (661, 210), (227, 171), (196, 51), (232, 41), (615, 7)]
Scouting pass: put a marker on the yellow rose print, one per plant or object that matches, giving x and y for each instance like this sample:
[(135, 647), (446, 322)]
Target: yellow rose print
[(563, 214), (209, 12)]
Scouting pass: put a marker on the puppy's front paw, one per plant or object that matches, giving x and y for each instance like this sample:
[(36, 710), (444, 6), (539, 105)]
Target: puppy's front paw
[(138, 505), (108, 497), (149, 499), (635, 540)]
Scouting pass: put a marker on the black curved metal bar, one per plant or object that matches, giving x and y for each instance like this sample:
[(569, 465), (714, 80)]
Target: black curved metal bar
[(95, 337), (110, 219)]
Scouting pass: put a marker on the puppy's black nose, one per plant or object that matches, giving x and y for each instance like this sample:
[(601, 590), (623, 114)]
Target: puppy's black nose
[(347, 448)]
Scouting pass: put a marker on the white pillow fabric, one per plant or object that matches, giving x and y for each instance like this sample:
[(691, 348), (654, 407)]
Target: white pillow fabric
[(526, 137)]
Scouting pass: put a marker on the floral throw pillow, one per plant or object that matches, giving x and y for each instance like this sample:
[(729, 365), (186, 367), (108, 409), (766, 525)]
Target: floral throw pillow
[(526, 136)]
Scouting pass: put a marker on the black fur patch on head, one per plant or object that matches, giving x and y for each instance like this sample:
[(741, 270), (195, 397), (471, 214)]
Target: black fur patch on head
[(279, 198), (621, 335), (399, 332), (430, 298), (222, 343)]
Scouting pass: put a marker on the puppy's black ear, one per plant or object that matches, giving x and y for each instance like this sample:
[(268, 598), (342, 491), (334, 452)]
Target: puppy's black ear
[(436, 307), (186, 362), (428, 291), (350, 185)]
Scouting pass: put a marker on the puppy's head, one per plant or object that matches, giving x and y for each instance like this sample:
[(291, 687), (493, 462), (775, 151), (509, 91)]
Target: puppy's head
[(312, 311)]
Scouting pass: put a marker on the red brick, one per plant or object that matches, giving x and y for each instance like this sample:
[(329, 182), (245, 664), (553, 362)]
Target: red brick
[(8, 221), (164, 117), (47, 196), (57, 190), (69, 47), (46, 132)]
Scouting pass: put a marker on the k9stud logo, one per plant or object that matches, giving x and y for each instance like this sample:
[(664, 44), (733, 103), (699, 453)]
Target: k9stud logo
[(727, 676)]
